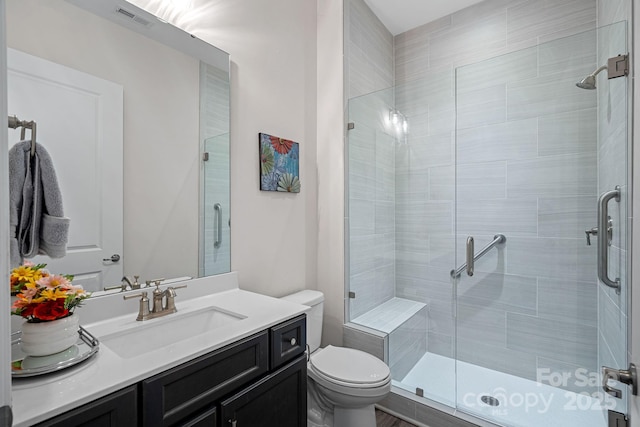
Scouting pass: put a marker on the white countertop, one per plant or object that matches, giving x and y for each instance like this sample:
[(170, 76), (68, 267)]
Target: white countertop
[(36, 399)]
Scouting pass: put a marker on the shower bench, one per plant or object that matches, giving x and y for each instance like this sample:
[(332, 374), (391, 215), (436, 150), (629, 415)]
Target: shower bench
[(399, 324)]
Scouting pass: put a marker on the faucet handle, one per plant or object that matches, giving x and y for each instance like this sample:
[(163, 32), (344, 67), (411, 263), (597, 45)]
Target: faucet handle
[(122, 287), (143, 312), (154, 281), (136, 295)]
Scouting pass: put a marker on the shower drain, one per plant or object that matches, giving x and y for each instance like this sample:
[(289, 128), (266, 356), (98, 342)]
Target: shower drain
[(490, 400)]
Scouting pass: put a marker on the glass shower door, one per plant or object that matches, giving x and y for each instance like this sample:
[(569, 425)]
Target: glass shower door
[(215, 208), (534, 156)]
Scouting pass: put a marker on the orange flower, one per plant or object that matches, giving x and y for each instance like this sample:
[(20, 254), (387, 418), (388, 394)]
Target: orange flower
[(281, 145)]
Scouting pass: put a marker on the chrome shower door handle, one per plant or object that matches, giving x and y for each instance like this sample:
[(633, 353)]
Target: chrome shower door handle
[(603, 240), (218, 213), (470, 255), (624, 376)]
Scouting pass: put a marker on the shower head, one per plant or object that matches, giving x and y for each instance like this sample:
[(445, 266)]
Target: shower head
[(589, 82)]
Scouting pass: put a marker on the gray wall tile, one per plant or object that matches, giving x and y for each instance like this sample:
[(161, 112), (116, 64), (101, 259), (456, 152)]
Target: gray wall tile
[(570, 259), (567, 216), (513, 217), (526, 21), (565, 341), (481, 324), (503, 141), (567, 133), (505, 292), (541, 177), (481, 107), (361, 340), (568, 300), (551, 94)]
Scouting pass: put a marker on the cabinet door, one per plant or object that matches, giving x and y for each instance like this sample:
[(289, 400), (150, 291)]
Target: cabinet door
[(116, 410), (175, 395), (207, 419), (277, 400)]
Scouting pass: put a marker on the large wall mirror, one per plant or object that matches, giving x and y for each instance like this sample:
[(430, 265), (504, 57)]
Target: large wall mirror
[(135, 116)]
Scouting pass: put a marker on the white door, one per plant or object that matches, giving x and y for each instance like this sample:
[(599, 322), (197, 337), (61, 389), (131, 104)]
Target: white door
[(79, 121)]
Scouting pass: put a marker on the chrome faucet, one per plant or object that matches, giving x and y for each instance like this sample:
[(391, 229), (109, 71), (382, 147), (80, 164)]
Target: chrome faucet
[(125, 281), (132, 284), (163, 302)]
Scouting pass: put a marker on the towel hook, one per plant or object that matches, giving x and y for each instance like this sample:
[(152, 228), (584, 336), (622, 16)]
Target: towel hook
[(15, 123)]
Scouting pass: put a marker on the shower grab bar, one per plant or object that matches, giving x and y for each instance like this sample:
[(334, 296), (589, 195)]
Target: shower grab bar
[(218, 213), (470, 257), (603, 241), (497, 239)]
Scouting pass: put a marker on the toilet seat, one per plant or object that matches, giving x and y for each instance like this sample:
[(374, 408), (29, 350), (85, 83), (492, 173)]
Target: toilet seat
[(348, 367)]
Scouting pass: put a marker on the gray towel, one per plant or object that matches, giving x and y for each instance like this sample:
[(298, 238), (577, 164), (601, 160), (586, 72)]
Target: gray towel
[(36, 218)]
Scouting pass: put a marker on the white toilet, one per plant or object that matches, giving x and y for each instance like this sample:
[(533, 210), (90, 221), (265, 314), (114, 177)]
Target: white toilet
[(344, 383)]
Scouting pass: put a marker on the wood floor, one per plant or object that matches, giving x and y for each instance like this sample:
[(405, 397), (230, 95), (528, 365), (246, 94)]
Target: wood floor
[(386, 420)]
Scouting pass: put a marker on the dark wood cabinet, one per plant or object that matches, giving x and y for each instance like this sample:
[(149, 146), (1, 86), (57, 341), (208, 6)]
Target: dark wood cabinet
[(277, 400), (257, 381), (288, 340), (175, 395), (119, 409)]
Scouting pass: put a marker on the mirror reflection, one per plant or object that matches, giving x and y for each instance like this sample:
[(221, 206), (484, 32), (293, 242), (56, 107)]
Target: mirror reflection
[(135, 116)]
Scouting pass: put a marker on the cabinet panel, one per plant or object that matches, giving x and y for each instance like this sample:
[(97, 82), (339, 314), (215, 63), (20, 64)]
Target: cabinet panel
[(171, 397), (279, 399), (207, 419), (288, 340), (119, 409)]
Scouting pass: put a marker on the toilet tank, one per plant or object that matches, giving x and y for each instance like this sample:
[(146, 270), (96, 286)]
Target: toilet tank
[(315, 300)]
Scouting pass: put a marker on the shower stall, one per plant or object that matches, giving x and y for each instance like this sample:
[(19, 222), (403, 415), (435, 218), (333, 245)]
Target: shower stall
[(478, 197)]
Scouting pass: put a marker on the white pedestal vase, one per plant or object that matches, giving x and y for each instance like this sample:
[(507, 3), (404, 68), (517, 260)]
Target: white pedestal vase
[(45, 338)]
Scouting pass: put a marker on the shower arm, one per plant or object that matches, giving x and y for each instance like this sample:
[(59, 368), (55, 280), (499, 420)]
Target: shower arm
[(598, 70)]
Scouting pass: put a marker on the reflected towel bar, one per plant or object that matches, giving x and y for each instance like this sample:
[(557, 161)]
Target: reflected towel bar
[(218, 233), (497, 239)]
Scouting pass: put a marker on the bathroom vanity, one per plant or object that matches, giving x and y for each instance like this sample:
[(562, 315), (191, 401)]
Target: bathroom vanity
[(247, 371)]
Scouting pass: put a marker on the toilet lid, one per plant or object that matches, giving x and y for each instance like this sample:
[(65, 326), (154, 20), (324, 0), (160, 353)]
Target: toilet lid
[(349, 365)]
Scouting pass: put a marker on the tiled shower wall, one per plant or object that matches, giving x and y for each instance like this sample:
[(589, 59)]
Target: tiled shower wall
[(371, 154), (522, 126)]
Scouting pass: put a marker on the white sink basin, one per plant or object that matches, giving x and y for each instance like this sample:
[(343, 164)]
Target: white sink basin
[(154, 334)]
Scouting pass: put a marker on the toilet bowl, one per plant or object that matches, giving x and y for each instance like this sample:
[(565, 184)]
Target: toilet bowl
[(344, 383)]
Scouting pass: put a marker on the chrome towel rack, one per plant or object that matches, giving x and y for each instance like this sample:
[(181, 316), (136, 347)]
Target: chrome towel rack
[(471, 258), (15, 123)]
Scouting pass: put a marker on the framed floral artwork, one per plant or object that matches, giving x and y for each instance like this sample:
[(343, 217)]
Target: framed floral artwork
[(279, 164)]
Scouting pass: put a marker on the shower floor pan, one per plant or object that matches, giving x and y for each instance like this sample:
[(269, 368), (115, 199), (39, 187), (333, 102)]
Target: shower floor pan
[(502, 398)]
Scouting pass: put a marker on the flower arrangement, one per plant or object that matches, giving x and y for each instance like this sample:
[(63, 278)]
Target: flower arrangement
[(42, 296)]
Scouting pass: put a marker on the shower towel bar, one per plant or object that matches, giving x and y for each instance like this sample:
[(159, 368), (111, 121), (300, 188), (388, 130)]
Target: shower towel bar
[(15, 123), (497, 239)]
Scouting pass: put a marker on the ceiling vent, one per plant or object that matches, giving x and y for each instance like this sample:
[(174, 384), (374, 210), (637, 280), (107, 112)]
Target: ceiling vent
[(124, 13)]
